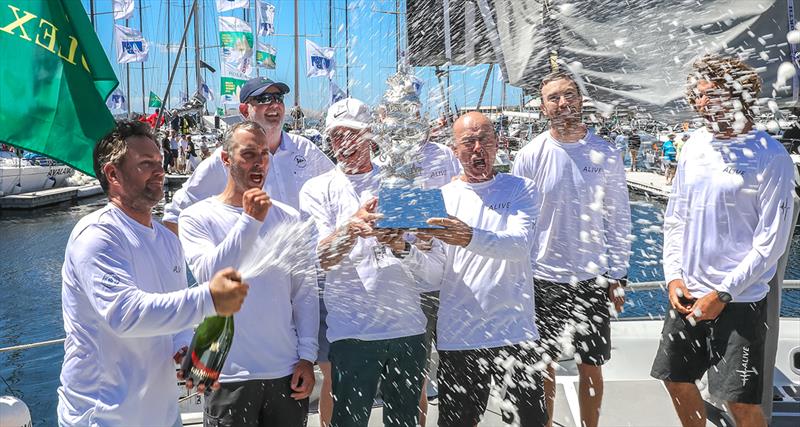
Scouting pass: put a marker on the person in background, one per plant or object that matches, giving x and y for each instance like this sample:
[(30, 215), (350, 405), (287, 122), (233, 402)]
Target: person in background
[(295, 159), (726, 226), (679, 145), (634, 145), (670, 158), (127, 308), (191, 158), (580, 256)]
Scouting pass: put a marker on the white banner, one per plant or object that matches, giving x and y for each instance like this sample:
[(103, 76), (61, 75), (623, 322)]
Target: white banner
[(123, 9), (130, 45), (225, 5), (337, 94), (265, 56), (117, 101), (319, 60), (205, 91), (236, 39), (265, 18)]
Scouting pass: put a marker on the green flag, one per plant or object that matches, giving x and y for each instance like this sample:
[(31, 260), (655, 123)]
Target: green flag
[(220, 111), (54, 86), (155, 101)]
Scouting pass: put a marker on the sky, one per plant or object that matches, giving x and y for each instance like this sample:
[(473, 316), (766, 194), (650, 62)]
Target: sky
[(372, 42)]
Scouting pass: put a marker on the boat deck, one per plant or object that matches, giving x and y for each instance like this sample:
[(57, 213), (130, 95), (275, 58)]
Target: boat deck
[(631, 397), (651, 183)]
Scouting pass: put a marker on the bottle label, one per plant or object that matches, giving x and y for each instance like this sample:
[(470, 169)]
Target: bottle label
[(201, 371)]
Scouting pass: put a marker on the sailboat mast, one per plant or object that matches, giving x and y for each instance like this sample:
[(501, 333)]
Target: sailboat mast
[(397, 31), (330, 23), (91, 13), (169, 48), (185, 57), (296, 58), (197, 57), (175, 66), (128, 81), (141, 29), (346, 50)]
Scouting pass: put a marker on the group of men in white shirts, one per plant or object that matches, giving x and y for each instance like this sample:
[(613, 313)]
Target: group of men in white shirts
[(528, 267)]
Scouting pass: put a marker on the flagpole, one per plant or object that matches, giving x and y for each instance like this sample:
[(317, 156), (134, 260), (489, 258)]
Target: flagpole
[(91, 14), (141, 29), (296, 58), (175, 65), (169, 41), (128, 80), (346, 50)]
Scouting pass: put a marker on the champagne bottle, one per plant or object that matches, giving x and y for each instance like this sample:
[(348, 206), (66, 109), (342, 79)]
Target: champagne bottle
[(210, 346)]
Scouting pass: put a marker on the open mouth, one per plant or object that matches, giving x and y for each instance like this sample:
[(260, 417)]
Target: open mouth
[(479, 162), (272, 115), (257, 178)]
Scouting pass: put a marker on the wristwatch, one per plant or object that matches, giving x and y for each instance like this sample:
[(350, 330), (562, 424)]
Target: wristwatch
[(724, 297)]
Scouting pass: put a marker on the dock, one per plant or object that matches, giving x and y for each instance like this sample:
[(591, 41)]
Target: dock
[(653, 184), (50, 196)]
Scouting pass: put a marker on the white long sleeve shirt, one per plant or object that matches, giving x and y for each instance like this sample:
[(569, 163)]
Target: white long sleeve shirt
[(584, 217), (370, 295), (729, 215), (294, 162), (127, 311), (279, 320), (486, 288)]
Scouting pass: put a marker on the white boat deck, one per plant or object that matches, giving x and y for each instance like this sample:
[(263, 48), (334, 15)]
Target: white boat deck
[(631, 397), (649, 182)]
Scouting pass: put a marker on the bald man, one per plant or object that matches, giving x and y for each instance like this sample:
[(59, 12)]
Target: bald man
[(480, 259)]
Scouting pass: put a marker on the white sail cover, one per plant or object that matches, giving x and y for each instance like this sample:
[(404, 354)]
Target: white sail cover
[(226, 5), (633, 52), (265, 16), (117, 101), (130, 44), (123, 9), (320, 60)]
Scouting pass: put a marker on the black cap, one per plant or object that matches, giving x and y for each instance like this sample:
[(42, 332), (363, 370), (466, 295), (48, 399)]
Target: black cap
[(257, 86)]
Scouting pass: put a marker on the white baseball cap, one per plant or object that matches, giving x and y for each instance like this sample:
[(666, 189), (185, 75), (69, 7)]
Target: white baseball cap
[(349, 113)]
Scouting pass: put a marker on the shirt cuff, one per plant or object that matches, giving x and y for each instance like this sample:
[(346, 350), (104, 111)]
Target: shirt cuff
[(206, 302), (668, 277), (479, 240)]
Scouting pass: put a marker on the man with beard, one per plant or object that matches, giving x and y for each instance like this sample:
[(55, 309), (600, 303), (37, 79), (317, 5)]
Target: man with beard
[(127, 310), (481, 262), (375, 325), (294, 159), (580, 257), (727, 224), (268, 375)]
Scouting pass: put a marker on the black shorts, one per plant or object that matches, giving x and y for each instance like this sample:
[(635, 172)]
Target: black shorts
[(465, 379), (574, 316), (255, 403), (733, 344)]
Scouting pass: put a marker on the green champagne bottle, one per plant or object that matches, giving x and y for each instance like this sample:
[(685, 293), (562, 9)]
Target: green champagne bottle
[(210, 346)]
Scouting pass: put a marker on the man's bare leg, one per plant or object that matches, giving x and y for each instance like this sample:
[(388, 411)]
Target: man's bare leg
[(688, 403), (423, 403), (746, 414), (326, 395), (590, 393), (550, 392)]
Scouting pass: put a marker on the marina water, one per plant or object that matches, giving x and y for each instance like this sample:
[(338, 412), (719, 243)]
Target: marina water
[(32, 251)]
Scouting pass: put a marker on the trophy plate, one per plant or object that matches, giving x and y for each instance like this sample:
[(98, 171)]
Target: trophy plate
[(409, 208)]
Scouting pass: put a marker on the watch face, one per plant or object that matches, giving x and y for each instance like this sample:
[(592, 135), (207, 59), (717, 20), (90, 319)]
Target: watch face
[(724, 297)]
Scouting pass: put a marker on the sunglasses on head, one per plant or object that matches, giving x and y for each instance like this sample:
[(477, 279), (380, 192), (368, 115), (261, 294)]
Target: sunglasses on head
[(268, 98)]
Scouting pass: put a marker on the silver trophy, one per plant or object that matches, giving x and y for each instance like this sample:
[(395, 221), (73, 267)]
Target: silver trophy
[(400, 132)]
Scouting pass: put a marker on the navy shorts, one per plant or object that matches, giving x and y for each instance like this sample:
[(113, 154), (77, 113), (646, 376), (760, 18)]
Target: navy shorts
[(730, 348)]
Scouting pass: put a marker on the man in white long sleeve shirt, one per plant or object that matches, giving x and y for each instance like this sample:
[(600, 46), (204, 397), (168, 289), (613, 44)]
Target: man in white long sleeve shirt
[(374, 321), (294, 159), (726, 226), (581, 239), (127, 310), (481, 259), (268, 374)]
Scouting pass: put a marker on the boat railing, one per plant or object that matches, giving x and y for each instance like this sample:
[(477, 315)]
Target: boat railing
[(636, 286)]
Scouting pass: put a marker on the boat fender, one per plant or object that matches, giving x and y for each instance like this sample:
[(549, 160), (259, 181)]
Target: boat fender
[(794, 360), (14, 412)]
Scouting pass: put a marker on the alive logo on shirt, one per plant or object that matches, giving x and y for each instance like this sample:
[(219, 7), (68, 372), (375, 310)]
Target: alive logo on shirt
[(592, 169), (734, 171), (502, 205)]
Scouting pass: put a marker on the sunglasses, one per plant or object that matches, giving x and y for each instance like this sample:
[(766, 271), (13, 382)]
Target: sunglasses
[(268, 98)]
